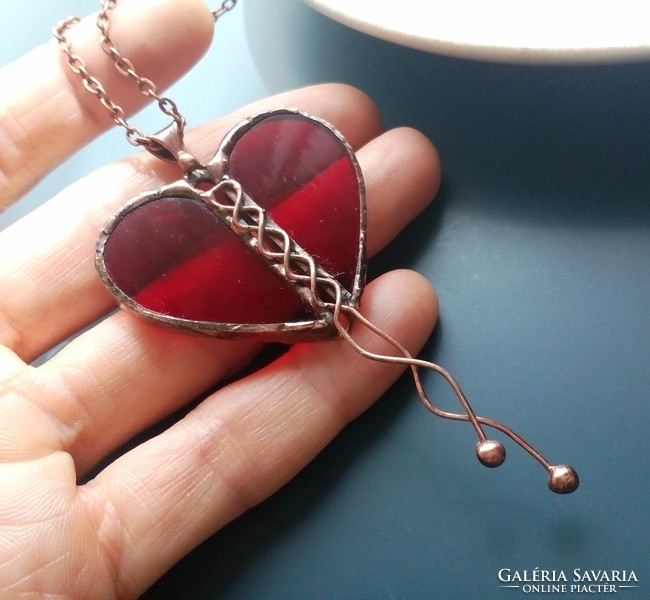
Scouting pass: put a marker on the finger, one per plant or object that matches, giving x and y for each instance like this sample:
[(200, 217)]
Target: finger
[(402, 174), (50, 288), (242, 444), (45, 112), (100, 379)]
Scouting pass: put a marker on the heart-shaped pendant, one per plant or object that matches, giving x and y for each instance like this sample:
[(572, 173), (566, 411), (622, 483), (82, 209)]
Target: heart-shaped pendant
[(168, 255), (267, 239)]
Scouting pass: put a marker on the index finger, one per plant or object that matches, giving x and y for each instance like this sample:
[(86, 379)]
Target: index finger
[(44, 117)]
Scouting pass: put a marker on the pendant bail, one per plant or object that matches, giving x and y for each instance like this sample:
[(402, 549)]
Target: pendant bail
[(169, 145)]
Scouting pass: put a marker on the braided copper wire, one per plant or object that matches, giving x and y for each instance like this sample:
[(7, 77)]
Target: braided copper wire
[(255, 227)]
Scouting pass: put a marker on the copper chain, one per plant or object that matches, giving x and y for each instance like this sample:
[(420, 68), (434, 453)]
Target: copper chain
[(124, 67)]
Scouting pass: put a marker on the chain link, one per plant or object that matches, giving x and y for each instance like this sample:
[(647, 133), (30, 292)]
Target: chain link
[(125, 68), (226, 6)]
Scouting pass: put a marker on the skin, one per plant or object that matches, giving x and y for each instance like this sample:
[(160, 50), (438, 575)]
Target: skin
[(113, 536)]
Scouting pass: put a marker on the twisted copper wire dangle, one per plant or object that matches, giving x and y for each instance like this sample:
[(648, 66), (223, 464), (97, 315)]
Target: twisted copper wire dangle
[(325, 294)]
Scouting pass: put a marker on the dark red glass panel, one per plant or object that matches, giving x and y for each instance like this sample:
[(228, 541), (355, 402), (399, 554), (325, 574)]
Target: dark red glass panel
[(173, 256)]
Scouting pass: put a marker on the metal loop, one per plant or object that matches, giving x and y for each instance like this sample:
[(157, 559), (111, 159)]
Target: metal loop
[(225, 7)]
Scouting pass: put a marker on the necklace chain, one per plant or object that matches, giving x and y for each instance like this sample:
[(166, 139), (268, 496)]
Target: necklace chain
[(126, 68)]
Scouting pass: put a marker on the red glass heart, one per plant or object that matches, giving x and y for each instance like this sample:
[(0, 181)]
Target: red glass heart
[(169, 257)]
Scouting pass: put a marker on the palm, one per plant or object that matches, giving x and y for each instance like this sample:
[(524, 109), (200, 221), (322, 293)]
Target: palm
[(114, 535)]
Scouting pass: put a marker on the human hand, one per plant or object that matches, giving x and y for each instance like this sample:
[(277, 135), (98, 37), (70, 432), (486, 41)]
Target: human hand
[(113, 536)]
